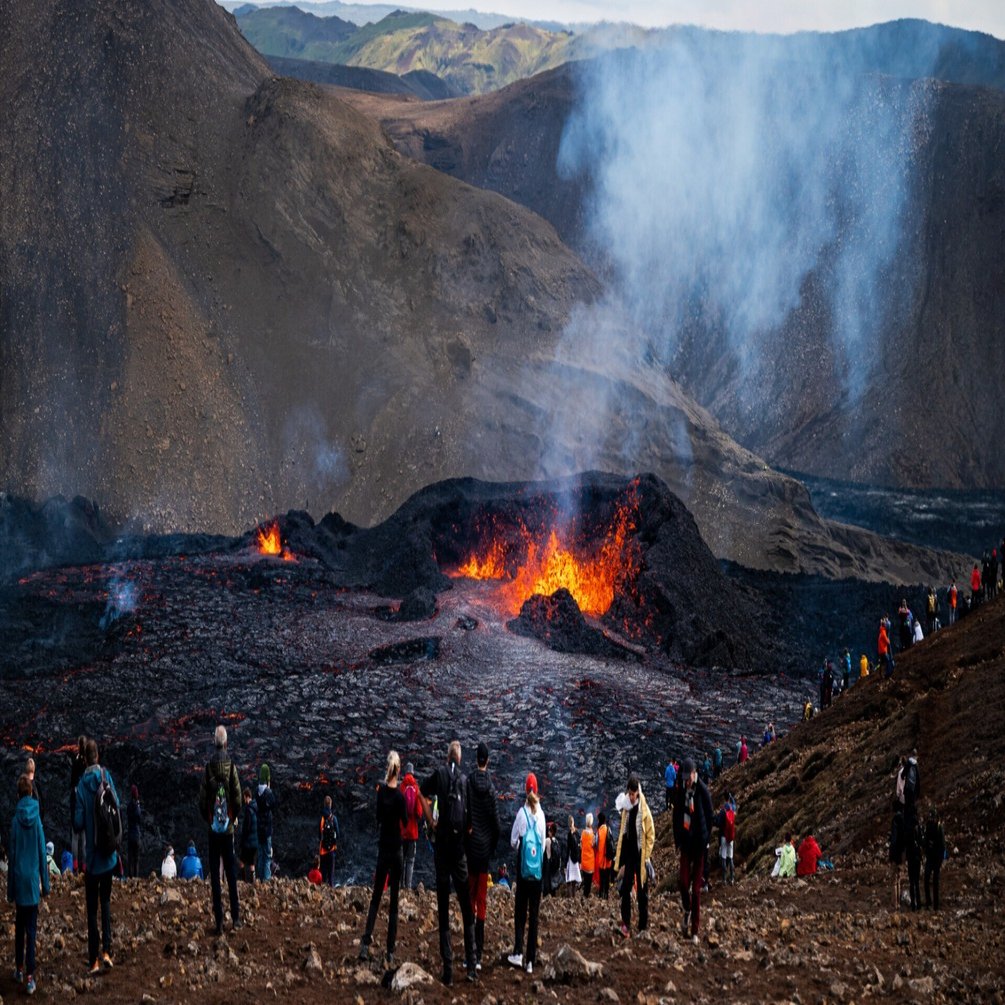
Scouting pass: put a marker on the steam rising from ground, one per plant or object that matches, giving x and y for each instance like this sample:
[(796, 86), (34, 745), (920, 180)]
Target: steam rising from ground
[(726, 171)]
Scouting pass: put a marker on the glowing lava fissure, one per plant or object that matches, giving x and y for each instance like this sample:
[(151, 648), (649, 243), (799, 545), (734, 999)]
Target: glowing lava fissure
[(270, 542), (558, 556)]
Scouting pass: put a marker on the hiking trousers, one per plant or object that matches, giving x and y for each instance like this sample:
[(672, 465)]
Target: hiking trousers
[(25, 929), (454, 870), (932, 869), (409, 849), (528, 902), (635, 876), (690, 887), (388, 871), (98, 888), (221, 849)]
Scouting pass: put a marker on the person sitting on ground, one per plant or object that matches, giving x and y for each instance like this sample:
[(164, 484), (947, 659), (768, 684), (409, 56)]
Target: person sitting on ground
[(50, 860), (809, 855), (66, 861), (787, 864), (169, 869), (191, 864), (314, 873), (502, 879)]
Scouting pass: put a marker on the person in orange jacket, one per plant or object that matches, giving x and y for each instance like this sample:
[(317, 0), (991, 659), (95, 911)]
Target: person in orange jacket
[(602, 862), (809, 852), (883, 648), (588, 857)]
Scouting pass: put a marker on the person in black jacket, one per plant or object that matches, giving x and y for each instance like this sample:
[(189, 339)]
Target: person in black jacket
[(391, 819), (221, 773), (448, 786), (692, 825), (935, 852), (480, 843)]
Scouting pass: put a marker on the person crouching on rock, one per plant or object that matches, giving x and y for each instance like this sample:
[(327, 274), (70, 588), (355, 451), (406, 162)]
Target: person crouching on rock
[(635, 848), (392, 819), (219, 804), (100, 852), (692, 825), (26, 875), (527, 836)]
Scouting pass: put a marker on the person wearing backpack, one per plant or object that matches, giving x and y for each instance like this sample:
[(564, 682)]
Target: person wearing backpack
[(410, 837), (480, 843), (635, 848), (527, 836), (328, 843), (390, 823), (265, 803), (726, 822), (249, 836), (26, 875), (219, 804), (97, 814), (448, 786), (692, 824), (716, 762), (604, 857)]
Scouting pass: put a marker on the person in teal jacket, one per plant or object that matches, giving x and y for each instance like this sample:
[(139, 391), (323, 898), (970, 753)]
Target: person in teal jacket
[(26, 876), (100, 867)]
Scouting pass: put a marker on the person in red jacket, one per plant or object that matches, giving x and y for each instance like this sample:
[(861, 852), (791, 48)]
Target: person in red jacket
[(809, 852), (975, 584), (410, 832)]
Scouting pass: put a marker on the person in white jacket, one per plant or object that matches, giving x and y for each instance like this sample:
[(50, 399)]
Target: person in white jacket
[(169, 870), (527, 836)]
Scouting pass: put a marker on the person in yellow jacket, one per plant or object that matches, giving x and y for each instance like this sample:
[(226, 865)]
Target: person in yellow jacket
[(635, 848), (863, 667)]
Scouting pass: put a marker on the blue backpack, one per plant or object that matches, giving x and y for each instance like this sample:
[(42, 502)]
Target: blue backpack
[(531, 852)]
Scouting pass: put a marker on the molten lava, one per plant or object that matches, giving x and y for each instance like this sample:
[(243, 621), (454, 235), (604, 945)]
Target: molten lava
[(270, 542), (555, 559)]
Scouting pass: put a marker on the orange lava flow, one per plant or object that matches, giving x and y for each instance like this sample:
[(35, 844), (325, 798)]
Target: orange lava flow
[(549, 563), (269, 542)]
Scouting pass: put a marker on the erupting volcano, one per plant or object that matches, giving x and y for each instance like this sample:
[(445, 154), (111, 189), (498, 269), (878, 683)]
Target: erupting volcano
[(558, 557), (270, 542)]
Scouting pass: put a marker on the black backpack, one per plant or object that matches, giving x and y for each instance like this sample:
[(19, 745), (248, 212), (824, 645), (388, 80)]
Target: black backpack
[(612, 846), (329, 836), (454, 814), (575, 849), (107, 818)]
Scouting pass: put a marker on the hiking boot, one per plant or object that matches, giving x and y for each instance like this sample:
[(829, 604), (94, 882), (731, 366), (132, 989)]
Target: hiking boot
[(30, 989), (237, 924), (218, 928), (624, 930), (390, 961), (94, 968), (685, 925), (530, 966), (515, 959), (471, 976), (107, 961), (448, 977), (18, 976), (364, 952)]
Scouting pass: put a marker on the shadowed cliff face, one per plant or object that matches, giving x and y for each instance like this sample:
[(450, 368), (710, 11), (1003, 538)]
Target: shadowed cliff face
[(830, 290)]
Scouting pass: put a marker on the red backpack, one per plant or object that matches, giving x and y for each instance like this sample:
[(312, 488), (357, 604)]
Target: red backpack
[(729, 828)]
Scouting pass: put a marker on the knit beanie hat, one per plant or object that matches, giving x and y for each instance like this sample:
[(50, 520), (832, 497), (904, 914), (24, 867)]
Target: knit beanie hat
[(264, 775), (532, 782), (49, 847)]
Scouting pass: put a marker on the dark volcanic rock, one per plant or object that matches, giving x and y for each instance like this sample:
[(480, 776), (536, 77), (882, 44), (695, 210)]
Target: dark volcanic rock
[(411, 651), (418, 605), (558, 622)]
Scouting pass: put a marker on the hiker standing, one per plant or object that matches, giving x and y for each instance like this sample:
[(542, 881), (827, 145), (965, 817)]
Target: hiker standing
[(265, 803), (134, 816), (219, 804), (884, 649), (327, 842), (390, 824), (573, 854), (898, 843), (951, 599), (635, 848), (249, 836), (527, 836), (36, 791), (692, 823), (935, 852), (588, 855), (726, 822), (670, 777), (743, 754), (480, 843), (76, 772), (97, 815), (605, 860), (26, 874), (447, 785), (410, 839), (931, 609), (975, 586)]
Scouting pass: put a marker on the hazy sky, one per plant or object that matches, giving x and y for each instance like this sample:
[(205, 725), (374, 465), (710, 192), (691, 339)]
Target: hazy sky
[(762, 15)]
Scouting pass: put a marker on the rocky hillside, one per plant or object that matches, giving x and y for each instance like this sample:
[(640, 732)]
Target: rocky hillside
[(270, 308), (927, 321)]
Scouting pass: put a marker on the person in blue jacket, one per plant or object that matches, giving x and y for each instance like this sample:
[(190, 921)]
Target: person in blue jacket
[(100, 865), (26, 875), (191, 864), (670, 778)]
